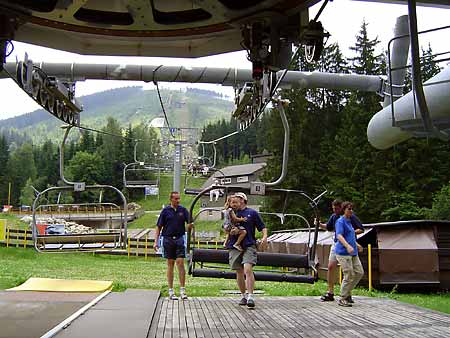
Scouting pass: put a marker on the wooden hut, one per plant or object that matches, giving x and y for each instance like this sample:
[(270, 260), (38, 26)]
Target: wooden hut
[(405, 253)]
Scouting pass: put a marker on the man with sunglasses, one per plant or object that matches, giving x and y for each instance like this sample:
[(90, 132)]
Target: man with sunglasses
[(336, 205)]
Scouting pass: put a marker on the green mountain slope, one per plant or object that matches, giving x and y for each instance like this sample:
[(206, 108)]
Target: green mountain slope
[(185, 108)]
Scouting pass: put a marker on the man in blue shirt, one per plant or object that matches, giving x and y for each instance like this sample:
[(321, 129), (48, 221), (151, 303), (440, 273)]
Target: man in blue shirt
[(336, 205), (171, 225), (244, 261)]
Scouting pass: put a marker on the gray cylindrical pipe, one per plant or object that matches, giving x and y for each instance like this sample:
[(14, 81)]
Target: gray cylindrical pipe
[(399, 48), (177, 159), (380, 132), (223, 76)]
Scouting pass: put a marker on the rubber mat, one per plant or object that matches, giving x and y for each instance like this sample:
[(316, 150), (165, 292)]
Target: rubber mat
[(63, 285)]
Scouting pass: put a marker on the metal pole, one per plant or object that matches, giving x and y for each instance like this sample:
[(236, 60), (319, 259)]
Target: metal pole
[(369, 263), (9, 193), (279, 105), (223, 76), (419, 94), (61, 157), (177, 166)]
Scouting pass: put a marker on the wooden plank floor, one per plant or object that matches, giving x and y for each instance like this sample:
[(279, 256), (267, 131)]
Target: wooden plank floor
[(295, 317)]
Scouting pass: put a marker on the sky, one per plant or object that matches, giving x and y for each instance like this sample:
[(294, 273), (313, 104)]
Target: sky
[(341, 18)]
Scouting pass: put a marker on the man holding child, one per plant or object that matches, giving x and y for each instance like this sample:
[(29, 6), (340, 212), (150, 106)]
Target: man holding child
[(244, 261)]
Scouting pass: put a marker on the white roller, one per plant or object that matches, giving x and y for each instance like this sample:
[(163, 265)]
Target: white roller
[(380, 132)]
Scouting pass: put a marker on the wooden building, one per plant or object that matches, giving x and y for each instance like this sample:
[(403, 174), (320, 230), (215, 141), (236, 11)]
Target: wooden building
[(412, 254)]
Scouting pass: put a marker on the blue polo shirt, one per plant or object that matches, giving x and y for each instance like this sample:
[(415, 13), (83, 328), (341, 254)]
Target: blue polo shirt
[(354, 220), (172, 221), (344, 227), (253, 222)]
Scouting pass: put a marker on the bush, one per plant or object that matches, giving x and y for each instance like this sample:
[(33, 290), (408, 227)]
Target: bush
[(441, 204)]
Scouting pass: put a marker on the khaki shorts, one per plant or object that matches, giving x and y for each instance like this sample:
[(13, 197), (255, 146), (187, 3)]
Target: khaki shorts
[(332, 257), (237, 258)]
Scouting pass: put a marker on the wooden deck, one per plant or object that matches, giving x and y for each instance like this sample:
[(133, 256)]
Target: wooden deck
[(295, 317)]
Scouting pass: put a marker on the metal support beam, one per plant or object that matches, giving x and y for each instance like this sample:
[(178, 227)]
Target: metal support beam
[(177, 161), (224, 76)]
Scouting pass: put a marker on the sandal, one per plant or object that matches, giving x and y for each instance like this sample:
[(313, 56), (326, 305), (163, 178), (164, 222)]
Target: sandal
[(344, 302), (328, 297)]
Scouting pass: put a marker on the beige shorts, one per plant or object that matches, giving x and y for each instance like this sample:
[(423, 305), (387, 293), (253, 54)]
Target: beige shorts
[(237, 258), (332, 257)]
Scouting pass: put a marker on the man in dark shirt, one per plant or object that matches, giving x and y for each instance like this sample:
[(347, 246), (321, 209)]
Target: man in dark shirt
[(171, 225), (332, 261), (244, 261)]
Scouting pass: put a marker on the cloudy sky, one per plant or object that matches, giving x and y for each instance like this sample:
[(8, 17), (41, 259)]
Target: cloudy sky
[(342, 18)]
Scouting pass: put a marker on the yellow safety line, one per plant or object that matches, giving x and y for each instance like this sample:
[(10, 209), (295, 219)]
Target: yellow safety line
[(369, 263)]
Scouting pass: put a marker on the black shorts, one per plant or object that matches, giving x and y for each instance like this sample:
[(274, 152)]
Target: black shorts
[(174, 247)]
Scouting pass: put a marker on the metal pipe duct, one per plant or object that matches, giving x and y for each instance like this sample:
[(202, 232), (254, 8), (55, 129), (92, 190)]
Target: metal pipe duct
[(398, 58), (223, 76), (380, 132)]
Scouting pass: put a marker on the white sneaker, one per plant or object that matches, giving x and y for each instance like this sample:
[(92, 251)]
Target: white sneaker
[(183, 296), (173, 297)]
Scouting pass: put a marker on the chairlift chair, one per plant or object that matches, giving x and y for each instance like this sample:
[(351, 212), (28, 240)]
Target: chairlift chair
[(132, 170), (63, 242), (301, 268)]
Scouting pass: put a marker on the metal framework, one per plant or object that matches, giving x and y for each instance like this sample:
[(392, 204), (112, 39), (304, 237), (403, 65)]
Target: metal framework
[(301, 268), (140, 167), (112, 239)]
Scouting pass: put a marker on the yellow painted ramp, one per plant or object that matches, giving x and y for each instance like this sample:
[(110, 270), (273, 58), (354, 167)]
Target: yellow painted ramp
[(63, 285)]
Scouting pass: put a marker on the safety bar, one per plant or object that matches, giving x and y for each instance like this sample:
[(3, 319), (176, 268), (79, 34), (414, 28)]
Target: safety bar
[(259, 276), (263, 258)]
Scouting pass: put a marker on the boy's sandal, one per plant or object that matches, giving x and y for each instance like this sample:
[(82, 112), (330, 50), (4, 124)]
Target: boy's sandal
[(328, 297)]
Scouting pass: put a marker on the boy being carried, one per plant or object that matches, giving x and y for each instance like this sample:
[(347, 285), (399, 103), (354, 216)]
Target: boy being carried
[(230, 224)]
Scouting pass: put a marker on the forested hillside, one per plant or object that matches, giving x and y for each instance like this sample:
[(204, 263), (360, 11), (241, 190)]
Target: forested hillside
[(189, 108)]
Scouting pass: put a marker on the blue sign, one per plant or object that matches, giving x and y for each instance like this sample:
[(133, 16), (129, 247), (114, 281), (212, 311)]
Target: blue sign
[(152, 191)]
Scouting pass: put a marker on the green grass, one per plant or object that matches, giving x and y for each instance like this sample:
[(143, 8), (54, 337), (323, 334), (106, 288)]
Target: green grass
[(166, 186), (17, 265), (436, 301), (14, 221)]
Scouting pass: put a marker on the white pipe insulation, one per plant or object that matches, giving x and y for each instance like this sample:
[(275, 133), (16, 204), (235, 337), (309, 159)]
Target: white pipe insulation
[(380, 132)]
